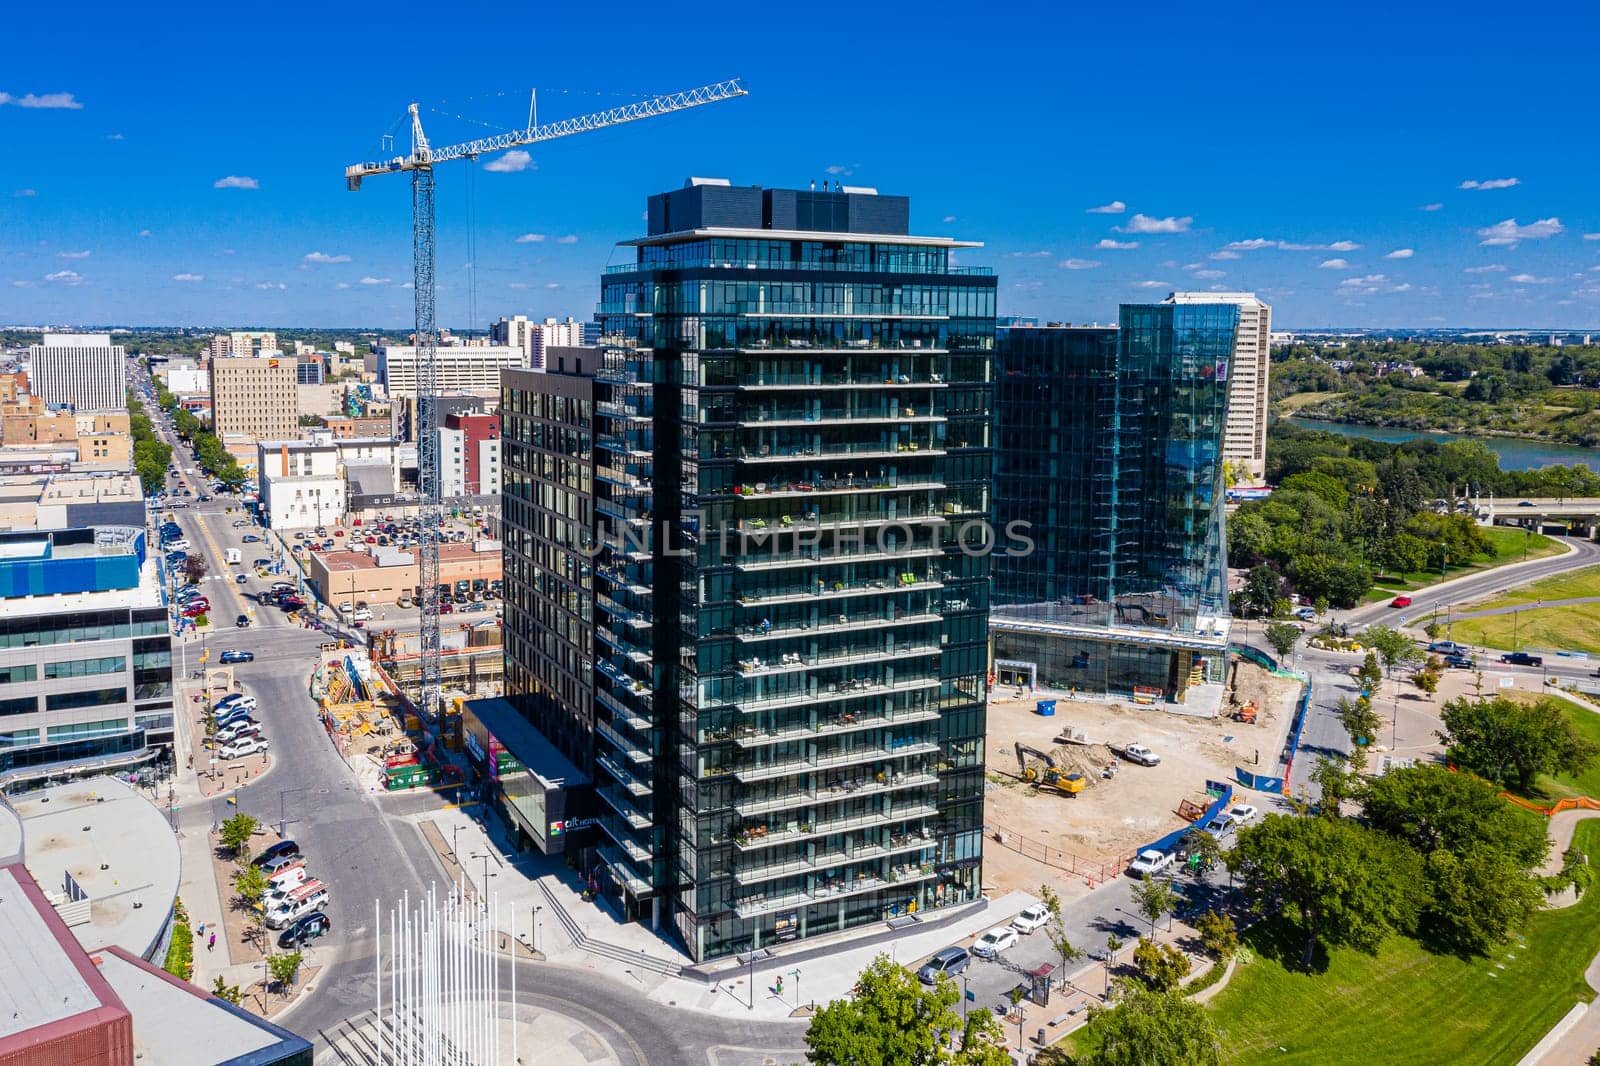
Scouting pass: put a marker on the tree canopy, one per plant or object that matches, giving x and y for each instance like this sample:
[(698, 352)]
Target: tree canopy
[(1511, 743), (1152, 1027), (892, 1020)]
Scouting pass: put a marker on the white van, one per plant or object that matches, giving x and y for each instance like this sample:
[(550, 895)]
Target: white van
[(233, 556), (311, 896), (286, 879)]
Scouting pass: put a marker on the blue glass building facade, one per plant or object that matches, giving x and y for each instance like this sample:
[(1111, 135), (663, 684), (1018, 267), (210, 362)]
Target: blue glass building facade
[(1109, 454), (793, 418)]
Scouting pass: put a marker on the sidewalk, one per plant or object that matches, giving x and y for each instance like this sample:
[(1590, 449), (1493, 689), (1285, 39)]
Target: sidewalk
[(539, 892)]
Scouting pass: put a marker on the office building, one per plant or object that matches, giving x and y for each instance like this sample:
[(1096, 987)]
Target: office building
[(85, 653), (469, 455), (1245, 442), (788, 646), (310, 369), (253, 344), (301, 484), (84, 371), (1109, 480), (461, 367), (254, 400)]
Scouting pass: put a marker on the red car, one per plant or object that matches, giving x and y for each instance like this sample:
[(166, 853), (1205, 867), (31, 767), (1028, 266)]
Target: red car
[(1400, 601), (196, 608)]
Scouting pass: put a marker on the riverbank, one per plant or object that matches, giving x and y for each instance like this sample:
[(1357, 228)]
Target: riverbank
[(1513, 452)]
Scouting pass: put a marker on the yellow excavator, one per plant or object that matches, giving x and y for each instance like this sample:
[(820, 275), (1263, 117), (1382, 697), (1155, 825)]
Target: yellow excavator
[(1050, 776)]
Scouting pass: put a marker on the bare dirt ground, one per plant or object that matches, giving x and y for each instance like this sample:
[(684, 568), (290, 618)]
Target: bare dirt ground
[(1074, 842)]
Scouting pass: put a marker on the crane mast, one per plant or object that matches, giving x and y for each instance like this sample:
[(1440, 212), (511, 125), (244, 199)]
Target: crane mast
[(420, 163)]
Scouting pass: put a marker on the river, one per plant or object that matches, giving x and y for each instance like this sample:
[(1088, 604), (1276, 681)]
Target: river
[(1514, 454)]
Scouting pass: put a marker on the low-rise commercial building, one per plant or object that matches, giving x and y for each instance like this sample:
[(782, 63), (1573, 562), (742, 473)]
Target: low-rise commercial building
[(85, 653), (301, 484), (383, 575)]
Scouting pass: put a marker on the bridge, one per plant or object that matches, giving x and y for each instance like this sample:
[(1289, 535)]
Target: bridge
[(1581, 516)]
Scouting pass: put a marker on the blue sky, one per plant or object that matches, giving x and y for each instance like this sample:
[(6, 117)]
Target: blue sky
[(183, 164)]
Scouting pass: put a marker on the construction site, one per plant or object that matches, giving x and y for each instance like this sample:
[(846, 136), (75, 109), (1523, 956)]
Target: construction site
[(471, 658), (372, 725), (1066, 801)]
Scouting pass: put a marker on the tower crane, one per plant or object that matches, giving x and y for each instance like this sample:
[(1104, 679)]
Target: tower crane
[(420, 162)]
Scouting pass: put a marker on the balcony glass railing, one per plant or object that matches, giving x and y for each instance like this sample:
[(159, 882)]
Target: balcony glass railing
[(834, 886), (759, 835), (822, 590), (895, 448), (830, 486), (795, 662), (763, 770), (748, 737), (836, 624)]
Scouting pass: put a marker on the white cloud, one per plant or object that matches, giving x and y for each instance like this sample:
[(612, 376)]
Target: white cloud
[(516, 284), (20, 193), (552, 284), (1492, 268), (236, 181), (1030, 255), (512, 162), (530, 238), (839, 168), (73, 255), (1148, 224), (376, 281), (1401, 253), (1251, 245), (1224, 254), (949, 218), (271, 285), (342, 285), (571, 238), (323, 257), (1149, 284), (1110, 245), (228, 251), (144, 233), (115, 137), (1333, 264), (1492, 183), (1115, 207), (1586, 236), (1210, 274), (188, 277), (22, 284), (1529, 279), (1370, 285), (1430, 207), (1255, 244), (46, 101), (1506, 234), (65, 277), (1343, 246), (1078, 264)]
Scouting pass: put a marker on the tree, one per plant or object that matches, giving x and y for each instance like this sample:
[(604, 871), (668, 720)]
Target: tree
[(223, 990), (1361, 724), (1335, 784), (1512, 743), (1392, 646), (251, 884), (1152, 1027), (1218, 934), (1161, 967), (1262, 589), (1153, 898), (1060, 940), (236, 833), (1432, 809), (194, 568), (1207, 847), (891, 1021), (1345, 885), (1370, 673), (1476, 900), (284, 969), (1342, 581), (1283, 637), (1426, 679)]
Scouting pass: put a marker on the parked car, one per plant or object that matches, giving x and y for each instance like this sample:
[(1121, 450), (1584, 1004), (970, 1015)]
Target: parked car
[(286, 849), (244, 727), (1463, 662), (994, 942), (1448, 647), (1522, 658), (1219, 827), (1140, 754), (240, 523), (1400, 601), (306, 927), (230, 699), (1033, 917), (1306, 614), (181, 545), (1242, 813), (311, 896), (250, 538), (241, 747), (1151, 862), (948, 961), (234, 655), (195, 608), (362, 614)]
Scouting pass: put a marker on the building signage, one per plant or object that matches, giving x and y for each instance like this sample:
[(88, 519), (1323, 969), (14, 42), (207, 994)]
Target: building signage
[(474, 747)]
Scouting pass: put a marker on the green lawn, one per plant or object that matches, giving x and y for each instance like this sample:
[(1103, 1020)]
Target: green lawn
[(1574, 628), (1508, 545), (1406, 1006), (1572, 585)]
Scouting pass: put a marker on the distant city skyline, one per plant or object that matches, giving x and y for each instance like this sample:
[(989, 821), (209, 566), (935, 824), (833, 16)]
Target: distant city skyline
[(1341, 173)]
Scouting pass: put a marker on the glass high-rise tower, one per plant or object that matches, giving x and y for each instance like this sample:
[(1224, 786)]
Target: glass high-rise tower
[(792, 426), (1109, 449)]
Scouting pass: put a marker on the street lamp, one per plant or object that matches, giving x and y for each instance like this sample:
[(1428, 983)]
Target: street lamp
[(536, 912), (282, 821)]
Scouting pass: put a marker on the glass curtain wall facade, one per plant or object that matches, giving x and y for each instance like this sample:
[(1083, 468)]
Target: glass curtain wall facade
[(1111, 452), (793, 429)]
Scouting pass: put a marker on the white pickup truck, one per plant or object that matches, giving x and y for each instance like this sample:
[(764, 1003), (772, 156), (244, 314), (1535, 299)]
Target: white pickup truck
[(1137, 753)]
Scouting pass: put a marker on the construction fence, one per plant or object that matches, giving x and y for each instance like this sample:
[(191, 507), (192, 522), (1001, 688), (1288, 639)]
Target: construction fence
[(1093, 870)]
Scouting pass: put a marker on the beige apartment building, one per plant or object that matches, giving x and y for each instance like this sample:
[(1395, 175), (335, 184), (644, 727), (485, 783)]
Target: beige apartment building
[(254, 399), (383, 575), (1244, 441)]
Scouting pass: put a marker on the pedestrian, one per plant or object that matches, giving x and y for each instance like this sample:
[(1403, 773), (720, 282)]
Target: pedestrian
[(202, 928), (212, 943), (780, 984)]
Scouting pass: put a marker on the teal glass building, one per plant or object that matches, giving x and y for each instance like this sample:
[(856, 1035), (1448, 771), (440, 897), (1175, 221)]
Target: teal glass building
[(1109, 455)]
